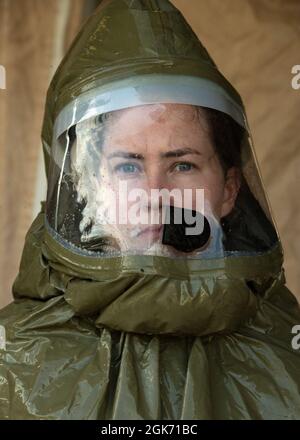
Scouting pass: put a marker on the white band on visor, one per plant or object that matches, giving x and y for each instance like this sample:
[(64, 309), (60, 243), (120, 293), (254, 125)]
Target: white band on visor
[(148, 89)]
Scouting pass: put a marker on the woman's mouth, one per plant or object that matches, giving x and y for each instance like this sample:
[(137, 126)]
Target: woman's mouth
[(152, 233)]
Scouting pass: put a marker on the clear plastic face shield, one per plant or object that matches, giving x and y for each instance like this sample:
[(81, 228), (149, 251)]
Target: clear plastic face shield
[(166, 179)]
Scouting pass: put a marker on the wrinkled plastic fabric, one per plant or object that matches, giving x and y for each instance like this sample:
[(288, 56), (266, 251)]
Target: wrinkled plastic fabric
[(144, 337)]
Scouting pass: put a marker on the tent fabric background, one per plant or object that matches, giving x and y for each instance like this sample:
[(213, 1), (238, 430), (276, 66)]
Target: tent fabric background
[(255, 43), (34, 35)]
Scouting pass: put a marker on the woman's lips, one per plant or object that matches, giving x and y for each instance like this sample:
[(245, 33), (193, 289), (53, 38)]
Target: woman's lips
[(152, 232)]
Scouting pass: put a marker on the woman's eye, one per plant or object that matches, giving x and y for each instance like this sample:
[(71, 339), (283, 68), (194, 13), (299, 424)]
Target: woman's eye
[(184, 166), (127, 168)]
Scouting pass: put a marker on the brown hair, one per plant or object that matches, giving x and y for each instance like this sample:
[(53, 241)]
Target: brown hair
[(227, 136)]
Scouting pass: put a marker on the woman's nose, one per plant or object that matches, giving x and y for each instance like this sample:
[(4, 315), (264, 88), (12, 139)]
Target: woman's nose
[(156, 179), (155, 182)]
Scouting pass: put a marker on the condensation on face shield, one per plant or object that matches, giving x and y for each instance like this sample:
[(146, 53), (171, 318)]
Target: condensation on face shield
[(145, 180)]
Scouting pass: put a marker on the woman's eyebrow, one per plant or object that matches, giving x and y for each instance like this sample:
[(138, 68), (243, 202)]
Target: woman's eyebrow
[(181, 152), (126, 155), (172, 153)]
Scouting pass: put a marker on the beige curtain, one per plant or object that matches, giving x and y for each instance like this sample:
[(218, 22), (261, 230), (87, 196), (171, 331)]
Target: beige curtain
[(34, 35), (254, 42)]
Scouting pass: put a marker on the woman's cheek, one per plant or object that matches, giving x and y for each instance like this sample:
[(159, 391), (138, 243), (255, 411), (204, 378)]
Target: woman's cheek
[(214, 199)]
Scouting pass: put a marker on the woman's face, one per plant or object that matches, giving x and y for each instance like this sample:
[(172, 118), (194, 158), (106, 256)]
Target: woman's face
[(162, 146)]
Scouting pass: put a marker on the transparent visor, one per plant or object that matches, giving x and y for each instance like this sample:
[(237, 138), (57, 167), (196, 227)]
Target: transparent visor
[(172, 180)]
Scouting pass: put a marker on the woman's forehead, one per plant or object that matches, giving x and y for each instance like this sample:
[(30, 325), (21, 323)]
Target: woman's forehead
[(157, 120), (153, 128), (157, 113)]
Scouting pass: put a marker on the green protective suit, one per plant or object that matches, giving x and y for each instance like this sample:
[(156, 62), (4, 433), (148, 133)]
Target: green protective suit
[(144, 337)]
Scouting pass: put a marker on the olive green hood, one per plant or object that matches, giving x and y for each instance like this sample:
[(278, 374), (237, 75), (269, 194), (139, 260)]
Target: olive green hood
[(154, 40), (126, 39), (144, 337)]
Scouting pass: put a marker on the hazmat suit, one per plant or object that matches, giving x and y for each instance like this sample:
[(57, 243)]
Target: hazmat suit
[(115, 316)]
